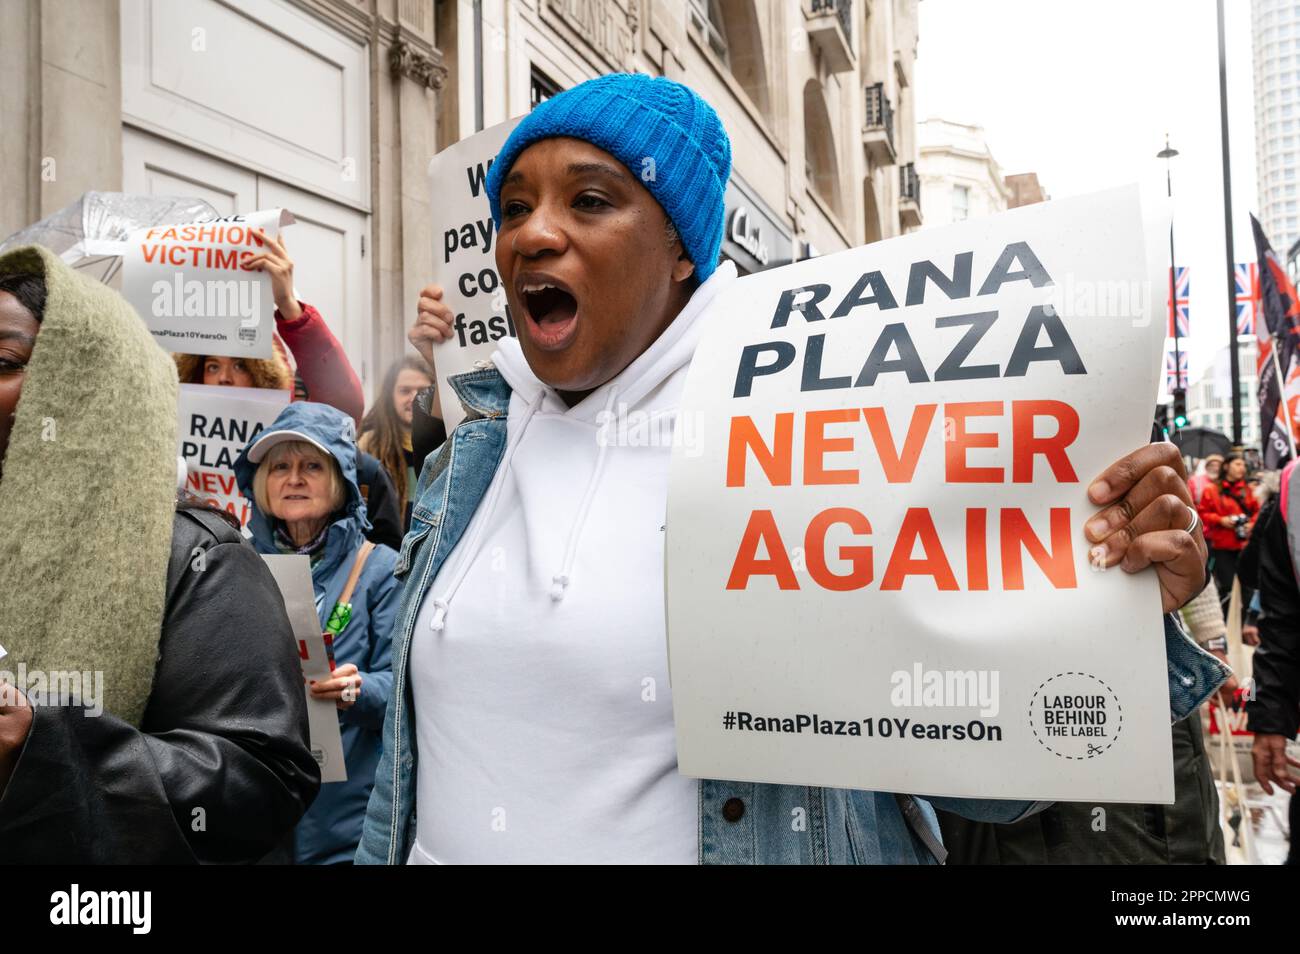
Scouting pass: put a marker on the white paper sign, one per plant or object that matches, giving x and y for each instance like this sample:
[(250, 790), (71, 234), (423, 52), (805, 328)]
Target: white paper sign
[(215, 424), (876, 566), (189, 284), (293, 575), (464, 261)]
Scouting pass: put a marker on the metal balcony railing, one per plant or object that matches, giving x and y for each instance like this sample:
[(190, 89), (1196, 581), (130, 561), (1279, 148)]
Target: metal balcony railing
[(843, 10), (909, 183), (880, 111)]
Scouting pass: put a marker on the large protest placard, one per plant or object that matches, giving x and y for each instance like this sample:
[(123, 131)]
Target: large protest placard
[(215, 424), (464, 262), (293, 575), (877, 574), (190, 284)]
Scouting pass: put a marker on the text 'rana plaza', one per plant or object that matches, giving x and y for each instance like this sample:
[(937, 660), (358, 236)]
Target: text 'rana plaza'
[(861, 431)]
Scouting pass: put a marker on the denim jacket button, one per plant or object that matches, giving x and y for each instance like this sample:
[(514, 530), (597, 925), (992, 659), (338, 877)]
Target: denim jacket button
[(733, 809)]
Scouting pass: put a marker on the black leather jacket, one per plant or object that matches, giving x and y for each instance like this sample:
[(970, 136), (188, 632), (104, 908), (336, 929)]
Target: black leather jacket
[(1266, 566), (220, 769)]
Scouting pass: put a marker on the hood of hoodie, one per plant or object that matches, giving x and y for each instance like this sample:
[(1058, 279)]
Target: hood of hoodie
[(636, 392), (668, 353), (335, 432), (89, 490)]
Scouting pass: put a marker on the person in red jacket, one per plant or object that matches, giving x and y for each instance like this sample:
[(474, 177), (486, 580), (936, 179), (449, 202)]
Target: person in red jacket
[(1228, 510), (324, 375), (324, 371)]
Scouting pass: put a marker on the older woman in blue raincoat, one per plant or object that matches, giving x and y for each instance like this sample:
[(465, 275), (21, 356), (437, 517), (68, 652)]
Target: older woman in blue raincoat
[(300, 474)]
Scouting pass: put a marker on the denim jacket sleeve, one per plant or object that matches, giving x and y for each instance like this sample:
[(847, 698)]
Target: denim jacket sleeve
[(1194, 674)]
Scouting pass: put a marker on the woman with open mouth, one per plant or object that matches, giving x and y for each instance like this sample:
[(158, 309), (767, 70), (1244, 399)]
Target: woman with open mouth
[(531, 718)]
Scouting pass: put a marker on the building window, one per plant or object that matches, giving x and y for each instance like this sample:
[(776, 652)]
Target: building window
[(541, 88), (821, 164), (731, 30), (708, 15), (960, 203)]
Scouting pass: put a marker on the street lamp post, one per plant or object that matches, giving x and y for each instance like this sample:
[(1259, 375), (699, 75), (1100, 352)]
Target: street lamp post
[(1180, 393), (1233, 369)]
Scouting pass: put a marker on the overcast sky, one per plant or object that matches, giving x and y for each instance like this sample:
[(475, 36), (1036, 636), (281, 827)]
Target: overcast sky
[(1082, 93)]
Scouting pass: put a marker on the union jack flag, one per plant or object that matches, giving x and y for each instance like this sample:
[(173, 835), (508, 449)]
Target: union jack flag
[(1175, 380), (1247, 296), (1182, 295)]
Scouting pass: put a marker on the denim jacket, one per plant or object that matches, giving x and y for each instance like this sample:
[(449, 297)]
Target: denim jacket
[(739, 822)]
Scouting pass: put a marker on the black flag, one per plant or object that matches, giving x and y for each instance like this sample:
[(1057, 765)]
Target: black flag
[(1278, 358)]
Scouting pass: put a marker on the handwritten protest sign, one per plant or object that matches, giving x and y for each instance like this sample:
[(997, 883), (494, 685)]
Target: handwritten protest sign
[(877, 575), (190, 285), (464, 261), (216, 423), (293, 575)]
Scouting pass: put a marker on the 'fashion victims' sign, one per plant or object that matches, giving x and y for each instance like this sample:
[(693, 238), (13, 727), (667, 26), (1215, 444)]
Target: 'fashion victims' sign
[(877, 574), (192, 286)]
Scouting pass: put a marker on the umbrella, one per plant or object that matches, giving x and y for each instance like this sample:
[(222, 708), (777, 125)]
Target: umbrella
[(1200, 442), (91, 233)]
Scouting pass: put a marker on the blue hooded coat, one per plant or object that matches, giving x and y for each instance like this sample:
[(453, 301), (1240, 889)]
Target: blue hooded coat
[(331, 829)]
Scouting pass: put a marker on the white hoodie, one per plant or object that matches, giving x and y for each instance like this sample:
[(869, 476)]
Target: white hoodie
[(538, 662)]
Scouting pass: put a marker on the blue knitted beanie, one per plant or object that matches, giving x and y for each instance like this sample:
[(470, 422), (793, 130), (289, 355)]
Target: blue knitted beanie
[(666, 135)]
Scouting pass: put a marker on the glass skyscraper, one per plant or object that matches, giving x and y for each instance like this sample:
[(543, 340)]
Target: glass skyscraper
[(1275, 27)]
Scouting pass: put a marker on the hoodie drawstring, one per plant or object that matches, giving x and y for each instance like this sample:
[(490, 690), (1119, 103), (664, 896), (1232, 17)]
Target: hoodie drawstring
[(560, 581), (442, 604)]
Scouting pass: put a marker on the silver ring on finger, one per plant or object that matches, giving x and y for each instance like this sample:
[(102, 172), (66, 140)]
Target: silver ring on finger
[(1196, 520)]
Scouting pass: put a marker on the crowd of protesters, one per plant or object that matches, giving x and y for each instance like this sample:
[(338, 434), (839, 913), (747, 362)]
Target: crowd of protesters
[(514, 698)]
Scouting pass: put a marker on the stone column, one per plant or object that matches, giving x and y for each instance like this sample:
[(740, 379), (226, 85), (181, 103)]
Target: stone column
[(61, 113), (408, 74)]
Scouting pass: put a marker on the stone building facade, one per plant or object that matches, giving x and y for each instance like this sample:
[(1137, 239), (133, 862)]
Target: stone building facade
[(325, 107), (815, 94), (960, 179), (332, 108), (1025, 189)]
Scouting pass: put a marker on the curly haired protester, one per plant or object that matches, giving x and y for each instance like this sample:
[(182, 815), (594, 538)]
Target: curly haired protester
[(301, 476), (533, 603), (324, 375), (178, 731)]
